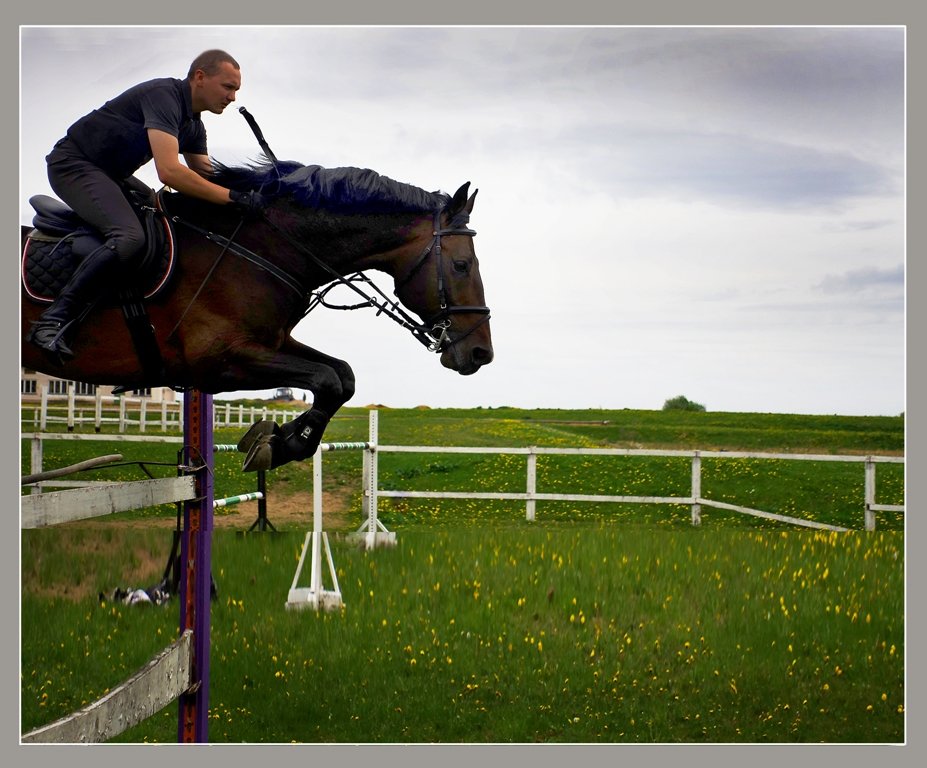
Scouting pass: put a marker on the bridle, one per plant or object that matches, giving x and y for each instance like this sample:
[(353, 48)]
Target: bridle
[(441, 321), (433, 334)]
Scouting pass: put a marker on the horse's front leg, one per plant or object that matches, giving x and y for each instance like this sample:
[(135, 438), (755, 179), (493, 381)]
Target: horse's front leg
[(269, 445), (331, 381)]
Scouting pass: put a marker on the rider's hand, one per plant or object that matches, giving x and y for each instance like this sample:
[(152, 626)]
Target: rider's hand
[(251, 203)]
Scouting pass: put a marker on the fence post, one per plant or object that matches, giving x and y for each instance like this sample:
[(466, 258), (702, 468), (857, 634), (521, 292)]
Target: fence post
[(43, 413), (98, 410), (35, 462), (142, 411), (71, 394), (696, 488), (196, 555), (373, 437), (531, 488), (870, 493), (317, 524), (122, 414)]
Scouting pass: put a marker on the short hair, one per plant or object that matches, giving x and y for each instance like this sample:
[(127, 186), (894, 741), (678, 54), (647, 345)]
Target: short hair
[(210, 62)]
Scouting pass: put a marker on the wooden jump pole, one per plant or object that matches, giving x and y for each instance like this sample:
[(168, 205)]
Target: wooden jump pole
[(50, 474), (195, 557)]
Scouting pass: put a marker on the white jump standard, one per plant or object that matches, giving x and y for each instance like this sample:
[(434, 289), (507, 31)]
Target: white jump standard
[(316, 595)]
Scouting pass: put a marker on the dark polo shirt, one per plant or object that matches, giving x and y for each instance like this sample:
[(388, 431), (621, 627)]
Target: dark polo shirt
[(115, 136)]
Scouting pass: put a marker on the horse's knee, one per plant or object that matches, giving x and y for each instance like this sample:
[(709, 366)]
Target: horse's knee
[(336, 383), (346, 374), (327, 384)]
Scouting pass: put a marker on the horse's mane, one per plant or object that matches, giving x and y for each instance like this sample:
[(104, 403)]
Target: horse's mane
[(336, 189)]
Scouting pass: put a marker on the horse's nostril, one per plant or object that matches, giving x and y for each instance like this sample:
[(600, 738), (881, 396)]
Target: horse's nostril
[(481, 355)]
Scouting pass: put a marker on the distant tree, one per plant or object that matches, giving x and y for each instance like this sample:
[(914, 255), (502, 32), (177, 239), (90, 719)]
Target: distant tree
[(681, 403)]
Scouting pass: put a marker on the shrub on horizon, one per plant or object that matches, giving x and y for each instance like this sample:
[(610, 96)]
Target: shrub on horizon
[(682, 403)]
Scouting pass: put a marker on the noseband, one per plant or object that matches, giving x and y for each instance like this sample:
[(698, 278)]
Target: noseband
[(441, 321)]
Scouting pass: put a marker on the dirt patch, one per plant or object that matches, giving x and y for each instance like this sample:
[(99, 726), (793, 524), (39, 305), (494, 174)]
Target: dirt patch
[(290, 511)]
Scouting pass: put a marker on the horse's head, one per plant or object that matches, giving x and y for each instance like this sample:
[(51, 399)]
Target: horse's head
[(433, 262), (442, 284)]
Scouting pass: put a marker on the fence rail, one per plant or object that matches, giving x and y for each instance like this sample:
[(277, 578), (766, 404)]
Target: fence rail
[(695, 500), (134, 413), (161, 681), (41, 509)]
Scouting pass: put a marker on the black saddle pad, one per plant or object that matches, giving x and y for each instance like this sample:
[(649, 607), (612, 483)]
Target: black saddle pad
[(50, 256)]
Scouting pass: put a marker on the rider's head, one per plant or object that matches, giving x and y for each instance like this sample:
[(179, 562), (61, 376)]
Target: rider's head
[(214, 79)]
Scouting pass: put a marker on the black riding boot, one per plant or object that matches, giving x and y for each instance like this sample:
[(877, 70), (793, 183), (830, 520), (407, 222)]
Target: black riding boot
[(85, 286)]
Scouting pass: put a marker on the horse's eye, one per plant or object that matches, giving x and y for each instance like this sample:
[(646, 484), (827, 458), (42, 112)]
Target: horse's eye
[(461, 267)]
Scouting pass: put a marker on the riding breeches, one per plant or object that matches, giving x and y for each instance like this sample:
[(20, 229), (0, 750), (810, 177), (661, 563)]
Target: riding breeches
[(97, 199)]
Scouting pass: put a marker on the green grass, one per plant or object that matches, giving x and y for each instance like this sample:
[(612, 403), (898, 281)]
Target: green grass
[(586, 634), (596, 623)]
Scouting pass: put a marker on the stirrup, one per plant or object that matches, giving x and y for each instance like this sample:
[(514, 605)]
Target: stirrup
[(48, 335)]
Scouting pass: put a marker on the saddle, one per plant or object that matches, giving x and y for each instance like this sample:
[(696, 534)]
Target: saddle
[(61, 240)]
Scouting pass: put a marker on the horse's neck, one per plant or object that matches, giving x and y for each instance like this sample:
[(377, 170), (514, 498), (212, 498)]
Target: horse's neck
[(382, 242), (347, 243)]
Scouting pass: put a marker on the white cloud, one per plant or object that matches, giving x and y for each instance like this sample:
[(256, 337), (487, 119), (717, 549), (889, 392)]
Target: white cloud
[(712, 212)]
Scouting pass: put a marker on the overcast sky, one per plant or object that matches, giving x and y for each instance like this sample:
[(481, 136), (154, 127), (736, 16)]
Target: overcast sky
[(709, 212)]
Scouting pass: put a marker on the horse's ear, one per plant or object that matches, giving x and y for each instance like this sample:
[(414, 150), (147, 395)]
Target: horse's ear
[(459, 200), (471, 201)]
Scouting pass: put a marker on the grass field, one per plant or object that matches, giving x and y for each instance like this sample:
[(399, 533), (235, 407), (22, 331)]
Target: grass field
[(596, 623)]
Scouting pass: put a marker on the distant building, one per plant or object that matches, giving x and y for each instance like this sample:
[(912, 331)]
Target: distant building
[(31, 383)]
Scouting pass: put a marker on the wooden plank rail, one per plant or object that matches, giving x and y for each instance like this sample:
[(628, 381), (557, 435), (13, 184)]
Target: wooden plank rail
[(99, 461), (181, 672), (161, 681), (43, 509)]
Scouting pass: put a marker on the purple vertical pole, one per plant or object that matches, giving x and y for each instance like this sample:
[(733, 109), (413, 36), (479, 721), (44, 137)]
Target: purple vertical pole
[(195, 556)]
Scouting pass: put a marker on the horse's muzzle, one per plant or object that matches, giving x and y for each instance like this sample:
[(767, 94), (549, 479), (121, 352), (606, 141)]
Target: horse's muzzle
[(467, 360)]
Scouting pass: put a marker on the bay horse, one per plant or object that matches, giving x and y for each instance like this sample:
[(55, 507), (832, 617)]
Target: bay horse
[(240, 284)]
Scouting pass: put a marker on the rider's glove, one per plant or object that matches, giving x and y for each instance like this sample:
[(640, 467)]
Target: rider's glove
[(251, 203)]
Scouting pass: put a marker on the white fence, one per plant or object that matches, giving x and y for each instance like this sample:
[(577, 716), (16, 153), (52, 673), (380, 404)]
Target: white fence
[(134, 413), (695, 499), (227, 415), (163, 680), (531, 495), (181, 671)]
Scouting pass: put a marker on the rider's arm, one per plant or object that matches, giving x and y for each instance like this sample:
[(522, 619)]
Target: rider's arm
[(199, 163), (166, 153)]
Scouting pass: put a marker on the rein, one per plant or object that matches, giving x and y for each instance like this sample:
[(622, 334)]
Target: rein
[(433, 334), (435, 338)]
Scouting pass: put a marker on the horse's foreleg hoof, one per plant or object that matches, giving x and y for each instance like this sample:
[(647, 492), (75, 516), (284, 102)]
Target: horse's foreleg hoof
[(260, 429), (260, 455)]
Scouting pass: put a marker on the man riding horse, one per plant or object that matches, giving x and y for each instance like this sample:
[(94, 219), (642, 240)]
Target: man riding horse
[(249, 266), (91, 166)]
